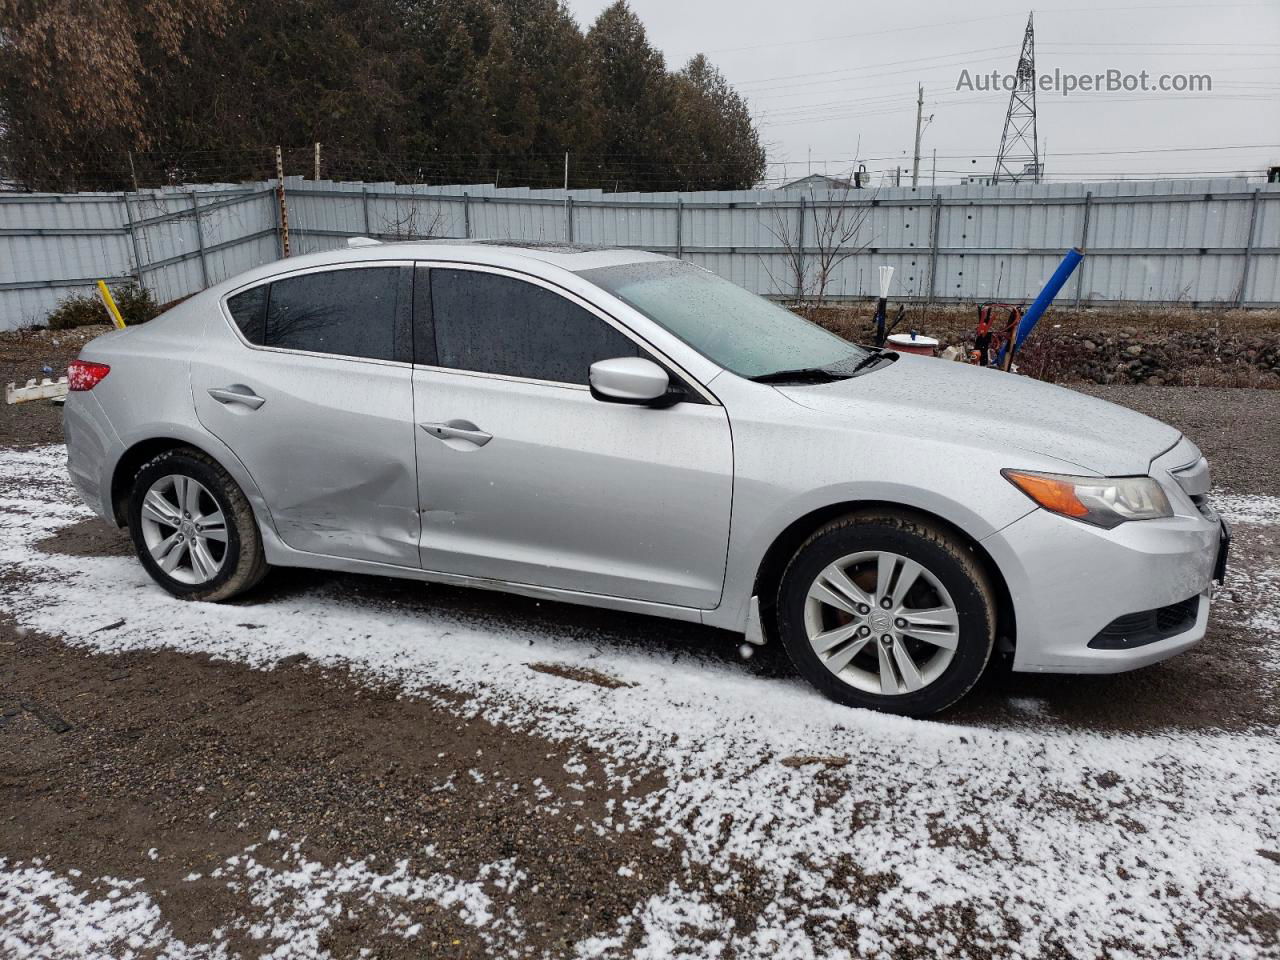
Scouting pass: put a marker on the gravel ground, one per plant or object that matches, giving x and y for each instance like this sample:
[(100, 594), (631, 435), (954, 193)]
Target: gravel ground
[(321, 769)]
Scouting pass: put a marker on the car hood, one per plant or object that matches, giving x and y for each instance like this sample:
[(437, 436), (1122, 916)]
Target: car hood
[(960, 402)]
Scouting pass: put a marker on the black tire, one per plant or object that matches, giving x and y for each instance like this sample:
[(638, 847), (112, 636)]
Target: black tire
[(244, 562), (942, 555)]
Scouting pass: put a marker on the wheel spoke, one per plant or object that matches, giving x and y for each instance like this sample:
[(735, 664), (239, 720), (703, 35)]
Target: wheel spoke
[(840, 659), (824, 592), (911, 678), (888, 680), (156, 508), (832, 638), (169, 553), (212, 526), (202, 562), (907, 577), (843, 584), (191, 497), (939, 626), (885, 565)]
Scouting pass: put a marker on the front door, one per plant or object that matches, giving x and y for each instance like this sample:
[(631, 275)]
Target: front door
[(315, 396), (534, 481)]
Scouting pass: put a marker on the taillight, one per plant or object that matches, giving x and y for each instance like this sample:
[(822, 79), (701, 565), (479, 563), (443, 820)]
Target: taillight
[(85, 375)]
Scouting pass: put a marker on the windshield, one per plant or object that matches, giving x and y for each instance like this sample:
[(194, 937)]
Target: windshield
[(737, 330)]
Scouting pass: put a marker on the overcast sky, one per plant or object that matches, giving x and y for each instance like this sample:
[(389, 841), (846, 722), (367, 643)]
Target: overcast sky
[(831, 79)]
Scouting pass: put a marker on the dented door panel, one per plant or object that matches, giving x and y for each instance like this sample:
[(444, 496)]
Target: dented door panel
[(331, 448)]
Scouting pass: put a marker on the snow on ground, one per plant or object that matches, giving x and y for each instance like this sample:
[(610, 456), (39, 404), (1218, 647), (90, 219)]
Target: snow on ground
[(295, 902), (1247, 508), (1028, 841)]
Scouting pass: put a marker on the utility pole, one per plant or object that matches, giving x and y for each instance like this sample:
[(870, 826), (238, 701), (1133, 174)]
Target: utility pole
[(566, 171), (317, 177), (915, 163), (933, 177)]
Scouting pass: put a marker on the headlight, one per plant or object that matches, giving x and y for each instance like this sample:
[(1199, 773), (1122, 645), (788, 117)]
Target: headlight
[(1103, 501)]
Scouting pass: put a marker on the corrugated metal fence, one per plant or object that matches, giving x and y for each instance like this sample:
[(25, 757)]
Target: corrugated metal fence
[(1203, 242)]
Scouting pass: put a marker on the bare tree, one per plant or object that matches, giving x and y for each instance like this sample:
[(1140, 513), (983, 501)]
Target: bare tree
[(406, 226), (816, 240)]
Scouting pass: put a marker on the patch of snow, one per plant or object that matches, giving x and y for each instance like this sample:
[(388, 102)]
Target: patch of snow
[(292, 903), (1246, 508)]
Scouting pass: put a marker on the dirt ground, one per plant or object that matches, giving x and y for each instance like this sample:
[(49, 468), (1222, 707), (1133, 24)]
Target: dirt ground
[(176, 770)]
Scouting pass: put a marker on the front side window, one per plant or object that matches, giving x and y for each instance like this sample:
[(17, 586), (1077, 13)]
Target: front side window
[(491, 323), (732, 327)]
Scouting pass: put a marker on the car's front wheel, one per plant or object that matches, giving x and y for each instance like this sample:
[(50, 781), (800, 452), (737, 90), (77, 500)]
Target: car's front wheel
[(193, 529), (887, 611)]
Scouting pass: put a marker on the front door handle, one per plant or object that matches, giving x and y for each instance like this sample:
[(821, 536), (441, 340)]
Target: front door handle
[(458, 430), (237, 393)]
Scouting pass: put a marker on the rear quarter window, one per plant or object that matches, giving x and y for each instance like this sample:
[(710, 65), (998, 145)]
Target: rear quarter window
[(249, 311)]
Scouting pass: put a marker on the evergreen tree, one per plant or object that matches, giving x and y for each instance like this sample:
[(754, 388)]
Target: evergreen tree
[(715, 143), (412, 90), (636, 101)]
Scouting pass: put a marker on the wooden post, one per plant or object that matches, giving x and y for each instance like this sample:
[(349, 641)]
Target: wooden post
[(364, 203), (1248, 248), (568, 213), (466, 215), (317, 176), (195, 215), (1084, 243), (281, 206)]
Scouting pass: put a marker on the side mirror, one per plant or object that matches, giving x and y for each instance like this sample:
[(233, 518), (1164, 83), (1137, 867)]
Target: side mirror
[(629, 380)]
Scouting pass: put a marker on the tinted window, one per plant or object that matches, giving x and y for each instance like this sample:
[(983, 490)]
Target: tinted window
[(352, 313), (496, 324), (249, 311)]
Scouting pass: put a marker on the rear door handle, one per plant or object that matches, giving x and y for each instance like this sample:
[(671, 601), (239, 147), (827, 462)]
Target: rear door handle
[(237, 393), (458, 430)]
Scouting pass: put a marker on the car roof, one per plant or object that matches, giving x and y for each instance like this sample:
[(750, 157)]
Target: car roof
[(513, 254)]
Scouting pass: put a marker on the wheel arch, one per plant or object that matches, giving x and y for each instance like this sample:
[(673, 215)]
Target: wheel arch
[(769, 573), (143, 450)]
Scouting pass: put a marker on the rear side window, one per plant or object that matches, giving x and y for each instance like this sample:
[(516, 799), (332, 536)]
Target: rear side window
[(249, 311), (352, 313), (495, 324)]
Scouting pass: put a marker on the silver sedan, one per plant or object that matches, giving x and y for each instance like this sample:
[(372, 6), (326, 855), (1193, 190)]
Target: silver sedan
[(628, 431)]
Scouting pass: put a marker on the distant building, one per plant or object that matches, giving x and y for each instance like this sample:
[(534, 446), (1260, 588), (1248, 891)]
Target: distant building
[(818, 181)]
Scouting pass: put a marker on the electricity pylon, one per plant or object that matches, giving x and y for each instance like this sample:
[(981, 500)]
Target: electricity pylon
[(1019, 156)]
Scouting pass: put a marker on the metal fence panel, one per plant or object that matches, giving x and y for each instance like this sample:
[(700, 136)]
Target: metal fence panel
[(1152, 242)]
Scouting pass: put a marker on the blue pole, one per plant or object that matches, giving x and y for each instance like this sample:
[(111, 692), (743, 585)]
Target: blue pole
[(1032, 316)]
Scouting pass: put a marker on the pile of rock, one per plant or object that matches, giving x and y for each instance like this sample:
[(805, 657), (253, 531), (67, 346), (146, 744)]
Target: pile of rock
[(1181, 358)]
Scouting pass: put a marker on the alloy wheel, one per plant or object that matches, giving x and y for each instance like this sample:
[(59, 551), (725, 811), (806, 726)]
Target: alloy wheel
[(881, 622), (184, 529)]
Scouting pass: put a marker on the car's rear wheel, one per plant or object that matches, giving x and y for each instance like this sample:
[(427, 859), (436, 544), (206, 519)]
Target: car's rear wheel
[(193, 529), (887, 611)]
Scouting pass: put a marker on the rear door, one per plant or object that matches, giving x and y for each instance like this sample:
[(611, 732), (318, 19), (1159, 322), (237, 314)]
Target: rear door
[(547, 485), (310, 384)]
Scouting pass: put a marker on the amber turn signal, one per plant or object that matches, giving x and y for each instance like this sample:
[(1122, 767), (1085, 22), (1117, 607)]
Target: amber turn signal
[(1052, 493)]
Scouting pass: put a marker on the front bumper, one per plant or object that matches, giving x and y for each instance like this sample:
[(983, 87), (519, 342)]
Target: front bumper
[(1069, 580)]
